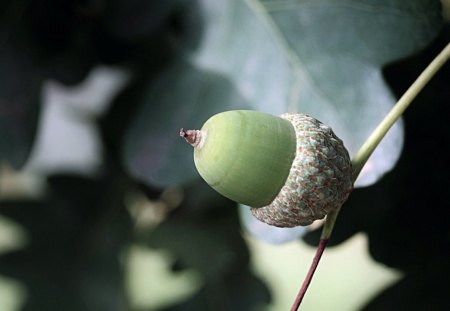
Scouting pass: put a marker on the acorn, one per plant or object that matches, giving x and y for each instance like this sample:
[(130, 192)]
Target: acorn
[(290, 170)]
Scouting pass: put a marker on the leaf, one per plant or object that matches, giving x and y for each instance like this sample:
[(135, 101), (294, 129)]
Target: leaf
[(203, 234), (75, 237), (19, 107), (137, 19), (323, 58), (67, 120), (235, 292), (415, 293), (267, 233)]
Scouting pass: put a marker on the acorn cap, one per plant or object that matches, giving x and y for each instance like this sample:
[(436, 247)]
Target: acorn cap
[(319, 181)]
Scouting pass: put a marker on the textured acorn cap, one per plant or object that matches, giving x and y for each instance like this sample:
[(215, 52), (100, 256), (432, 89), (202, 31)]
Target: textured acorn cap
[(319, 181)]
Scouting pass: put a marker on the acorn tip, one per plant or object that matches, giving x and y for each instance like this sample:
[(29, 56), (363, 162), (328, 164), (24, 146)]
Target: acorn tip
[(191, 136)]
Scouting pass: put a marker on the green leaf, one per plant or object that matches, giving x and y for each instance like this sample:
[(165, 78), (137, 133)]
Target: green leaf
[(323, 58), (203, 234), (75, 238)]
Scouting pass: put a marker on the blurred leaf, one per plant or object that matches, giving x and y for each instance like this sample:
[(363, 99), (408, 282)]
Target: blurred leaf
[(19, 106), (68, 136), (132, 30), (203, 234), (24, 60), (236, 292), (199, 247), (420, 291), (136, 19), (267, 233), (71, 260)]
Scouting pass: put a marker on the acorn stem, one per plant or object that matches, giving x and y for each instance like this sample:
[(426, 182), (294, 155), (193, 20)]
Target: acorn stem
[(361, 157), (320, 249), (194, 137)]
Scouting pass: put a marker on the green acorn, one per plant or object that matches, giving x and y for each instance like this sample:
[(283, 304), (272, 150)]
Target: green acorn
[(291, 170)]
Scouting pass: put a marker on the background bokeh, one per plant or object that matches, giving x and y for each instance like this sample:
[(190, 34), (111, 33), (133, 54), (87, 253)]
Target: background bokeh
[(100, 204)]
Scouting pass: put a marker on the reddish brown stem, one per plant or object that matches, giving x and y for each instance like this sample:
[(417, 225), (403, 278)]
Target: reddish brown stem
[(191, 136), (309, 276)]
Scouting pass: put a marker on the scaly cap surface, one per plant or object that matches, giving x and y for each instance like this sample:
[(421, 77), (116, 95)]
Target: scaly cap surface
[(319, 181)]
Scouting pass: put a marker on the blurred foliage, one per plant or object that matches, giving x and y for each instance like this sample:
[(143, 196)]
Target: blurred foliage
[(75, 236), (188, 60)]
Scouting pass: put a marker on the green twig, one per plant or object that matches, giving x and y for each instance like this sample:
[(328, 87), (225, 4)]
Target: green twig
[(361, 157)]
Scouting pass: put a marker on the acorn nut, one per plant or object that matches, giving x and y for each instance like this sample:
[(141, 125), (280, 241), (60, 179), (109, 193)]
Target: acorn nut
[(291, 170)]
